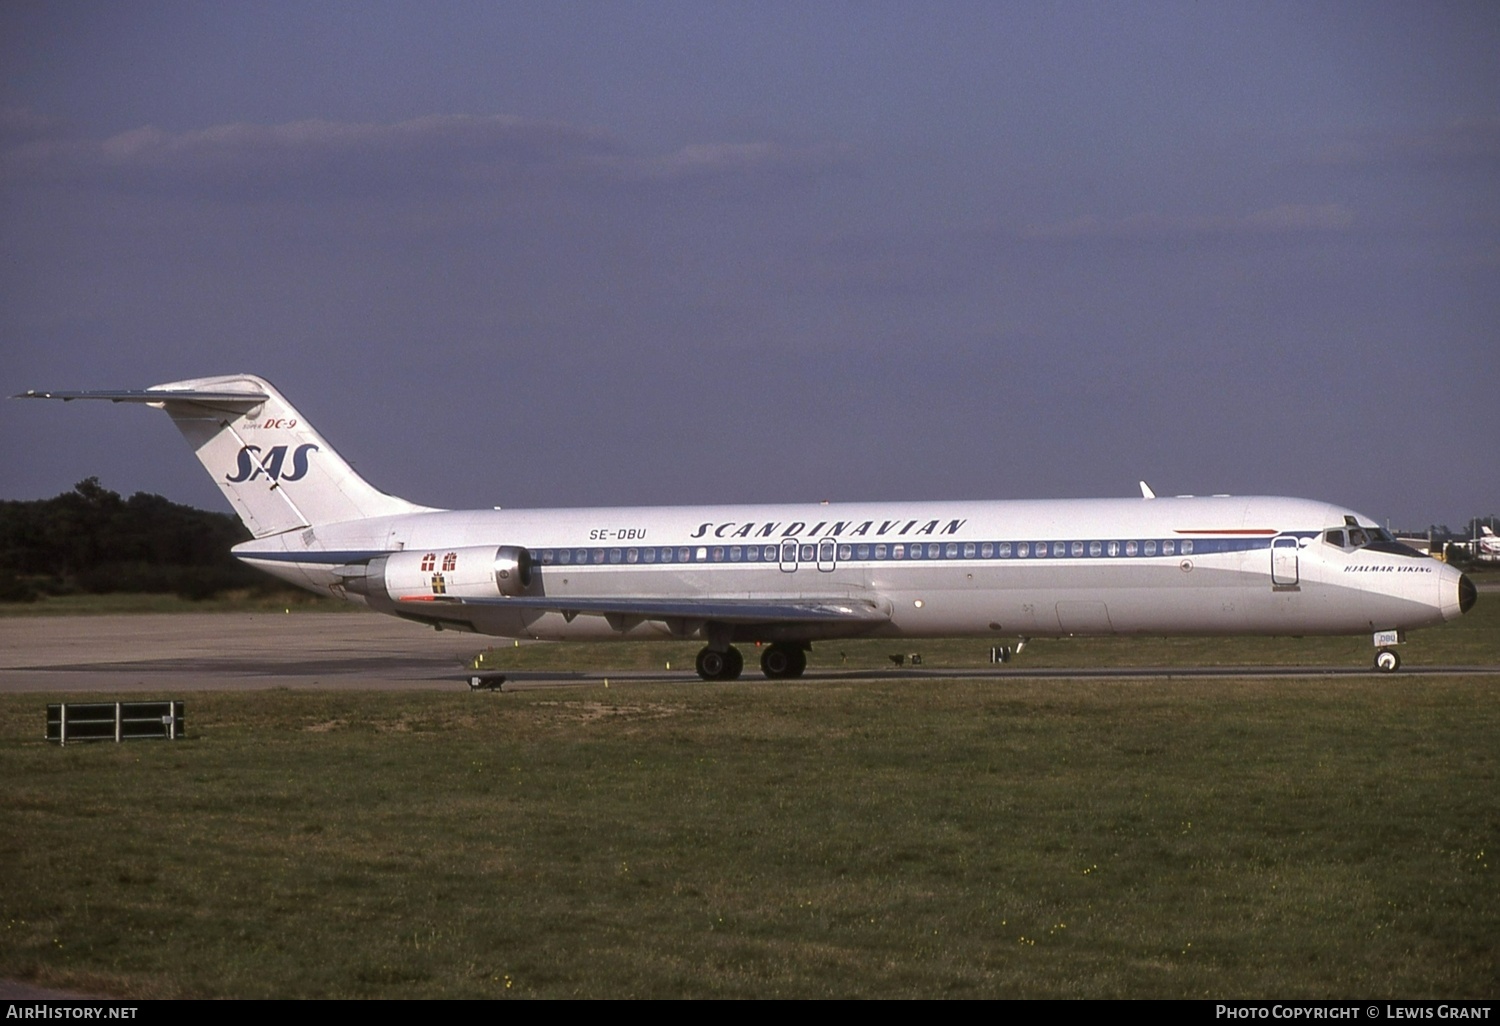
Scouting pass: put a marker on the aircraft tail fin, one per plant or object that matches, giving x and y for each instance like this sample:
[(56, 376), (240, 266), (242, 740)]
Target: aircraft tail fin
[(277, 472)]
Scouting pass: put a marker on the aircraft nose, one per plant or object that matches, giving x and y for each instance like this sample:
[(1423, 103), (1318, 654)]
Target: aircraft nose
[(1467, 593)]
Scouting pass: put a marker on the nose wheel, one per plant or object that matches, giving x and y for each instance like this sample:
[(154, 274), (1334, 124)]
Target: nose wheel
[(1387, 660), (725, 665)]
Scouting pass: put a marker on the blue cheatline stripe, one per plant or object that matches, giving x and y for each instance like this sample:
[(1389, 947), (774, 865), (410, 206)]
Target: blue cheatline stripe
[(843, 552)]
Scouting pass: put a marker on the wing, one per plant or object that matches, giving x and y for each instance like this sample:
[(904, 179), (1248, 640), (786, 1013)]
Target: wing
[(718, 610)]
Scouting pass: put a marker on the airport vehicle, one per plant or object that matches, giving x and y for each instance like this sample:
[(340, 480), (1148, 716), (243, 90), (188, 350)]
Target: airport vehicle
[(789, 575)]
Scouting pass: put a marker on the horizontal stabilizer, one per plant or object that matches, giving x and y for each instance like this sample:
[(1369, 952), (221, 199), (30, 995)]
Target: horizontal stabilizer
[(156, 396)]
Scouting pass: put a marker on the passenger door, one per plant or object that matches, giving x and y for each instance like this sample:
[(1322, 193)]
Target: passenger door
[(1284, 561)]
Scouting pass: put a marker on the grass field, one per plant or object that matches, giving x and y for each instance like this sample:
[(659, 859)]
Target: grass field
[(1148, 838)]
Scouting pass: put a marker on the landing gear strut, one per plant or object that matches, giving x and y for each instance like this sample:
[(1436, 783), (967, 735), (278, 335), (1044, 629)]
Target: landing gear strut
[(725, 665), (783, 660)]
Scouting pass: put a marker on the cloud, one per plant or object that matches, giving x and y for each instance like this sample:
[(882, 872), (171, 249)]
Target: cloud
[(431, 154), (717, 160), (1285, 219)]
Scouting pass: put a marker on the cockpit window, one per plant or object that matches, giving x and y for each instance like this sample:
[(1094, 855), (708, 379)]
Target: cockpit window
[(1376, 539)]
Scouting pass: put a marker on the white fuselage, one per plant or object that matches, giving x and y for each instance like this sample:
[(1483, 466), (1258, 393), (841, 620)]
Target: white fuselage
[(1218, 565)]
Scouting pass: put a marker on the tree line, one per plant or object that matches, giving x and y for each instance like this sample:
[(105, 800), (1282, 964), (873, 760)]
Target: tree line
[(93, 540)]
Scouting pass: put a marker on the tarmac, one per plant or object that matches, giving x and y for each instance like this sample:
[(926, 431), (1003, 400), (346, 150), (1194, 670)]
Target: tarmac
[(221, 651), (368, 652)]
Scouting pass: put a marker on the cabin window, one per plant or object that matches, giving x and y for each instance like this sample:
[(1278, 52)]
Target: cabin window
[(1095, 548), (880, 552), (648, 555), (1186, 547), (1130, 548), (1022, 549), (1151, 548), (1166, 548), (632, 555), (1077, 549), (1113, 548), (846, 552), (898, 551), (969, 551)]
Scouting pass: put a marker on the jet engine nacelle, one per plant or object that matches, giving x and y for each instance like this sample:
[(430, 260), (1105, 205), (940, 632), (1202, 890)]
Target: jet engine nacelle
[(478, 571)]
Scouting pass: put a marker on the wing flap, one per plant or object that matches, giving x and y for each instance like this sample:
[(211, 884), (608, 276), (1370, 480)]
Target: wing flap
[(737, 611)]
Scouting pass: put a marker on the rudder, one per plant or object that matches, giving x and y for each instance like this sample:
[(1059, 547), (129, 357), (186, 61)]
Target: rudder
[(276, 470)]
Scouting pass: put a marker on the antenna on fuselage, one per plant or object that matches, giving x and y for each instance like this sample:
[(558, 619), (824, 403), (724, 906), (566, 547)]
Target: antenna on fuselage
[(1146, 492)]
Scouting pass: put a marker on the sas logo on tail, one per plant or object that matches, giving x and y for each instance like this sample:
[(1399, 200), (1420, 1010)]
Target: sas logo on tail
[(251, 466)]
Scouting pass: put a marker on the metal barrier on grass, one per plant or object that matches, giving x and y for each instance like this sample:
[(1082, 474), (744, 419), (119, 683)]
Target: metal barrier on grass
[(115, 721)]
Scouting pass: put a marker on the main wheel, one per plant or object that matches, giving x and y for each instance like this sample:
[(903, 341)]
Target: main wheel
[(1387, 660), (774, 662), (798, 663), (725, 665), (779, 661)]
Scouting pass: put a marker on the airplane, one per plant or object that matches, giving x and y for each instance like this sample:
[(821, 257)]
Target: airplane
[(1487, 545), (786, 576)]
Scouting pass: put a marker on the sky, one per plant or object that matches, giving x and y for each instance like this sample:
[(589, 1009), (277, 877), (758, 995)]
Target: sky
[(597, 254)]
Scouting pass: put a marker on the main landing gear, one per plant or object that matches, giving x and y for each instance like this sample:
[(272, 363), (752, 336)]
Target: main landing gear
[(779, 661), (776, 662), (725, 665)]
